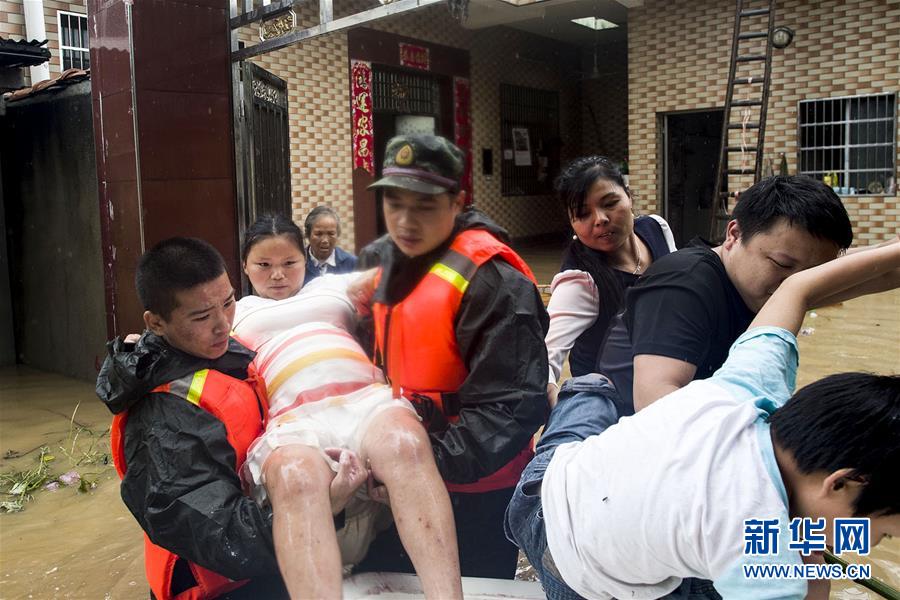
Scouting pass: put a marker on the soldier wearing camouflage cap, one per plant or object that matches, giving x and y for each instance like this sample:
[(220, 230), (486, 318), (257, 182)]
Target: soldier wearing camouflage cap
[(458, 328), (428, 164)]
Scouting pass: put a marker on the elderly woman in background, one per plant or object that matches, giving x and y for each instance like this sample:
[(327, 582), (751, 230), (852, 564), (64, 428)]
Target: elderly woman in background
[(323, 255)]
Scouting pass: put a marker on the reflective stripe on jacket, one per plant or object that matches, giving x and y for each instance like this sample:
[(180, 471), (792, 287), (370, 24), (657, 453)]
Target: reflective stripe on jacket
[(236, 404), (415, 341)]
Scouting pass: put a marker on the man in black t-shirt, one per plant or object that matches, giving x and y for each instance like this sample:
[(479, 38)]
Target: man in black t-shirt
[(683, 315)]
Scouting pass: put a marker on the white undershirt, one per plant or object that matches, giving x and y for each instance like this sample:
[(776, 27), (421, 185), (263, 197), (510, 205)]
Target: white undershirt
[(323, 265)]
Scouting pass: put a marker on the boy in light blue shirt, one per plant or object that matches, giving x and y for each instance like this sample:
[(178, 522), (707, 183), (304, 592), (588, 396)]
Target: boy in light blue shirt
[(630, 509)]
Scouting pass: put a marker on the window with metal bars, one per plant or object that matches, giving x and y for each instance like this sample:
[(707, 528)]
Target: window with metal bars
[(537, 111), (404, 92), (850, 143), (73, 40)]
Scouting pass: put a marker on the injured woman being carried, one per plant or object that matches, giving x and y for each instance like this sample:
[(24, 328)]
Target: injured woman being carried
[(332, 424)]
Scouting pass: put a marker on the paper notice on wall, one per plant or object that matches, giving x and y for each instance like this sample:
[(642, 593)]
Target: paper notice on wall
[(521, 147), (414, 125)]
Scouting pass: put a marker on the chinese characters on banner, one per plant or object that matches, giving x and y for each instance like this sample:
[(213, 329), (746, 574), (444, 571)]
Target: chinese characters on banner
[(807, 536), (463, 129), (361, 109), (416, 57)]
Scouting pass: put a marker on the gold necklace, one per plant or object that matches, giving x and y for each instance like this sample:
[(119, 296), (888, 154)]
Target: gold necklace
[(637, 252)]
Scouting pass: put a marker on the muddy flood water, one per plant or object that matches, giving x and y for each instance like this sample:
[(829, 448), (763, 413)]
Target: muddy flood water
[(84, 544)]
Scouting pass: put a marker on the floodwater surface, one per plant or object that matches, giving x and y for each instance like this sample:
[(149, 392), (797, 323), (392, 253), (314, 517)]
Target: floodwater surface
[(71, 544), (65, 544)]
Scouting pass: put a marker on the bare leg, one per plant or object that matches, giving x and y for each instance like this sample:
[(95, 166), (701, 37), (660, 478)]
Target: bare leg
[(400, 455), (297, 481)]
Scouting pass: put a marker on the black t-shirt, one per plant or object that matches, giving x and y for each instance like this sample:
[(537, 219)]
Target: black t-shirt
[(589, 344), (684, 307)]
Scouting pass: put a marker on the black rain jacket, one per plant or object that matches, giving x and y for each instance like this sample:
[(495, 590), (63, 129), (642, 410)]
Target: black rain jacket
[(180, 482)]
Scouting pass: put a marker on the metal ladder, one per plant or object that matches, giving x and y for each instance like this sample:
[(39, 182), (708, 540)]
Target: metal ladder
[(746, 53)]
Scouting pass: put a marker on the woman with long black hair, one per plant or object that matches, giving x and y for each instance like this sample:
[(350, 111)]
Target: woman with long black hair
[(610, 249)]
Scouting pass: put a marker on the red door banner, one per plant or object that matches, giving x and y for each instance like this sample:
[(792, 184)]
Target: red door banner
[(462, 134), (361, 109)]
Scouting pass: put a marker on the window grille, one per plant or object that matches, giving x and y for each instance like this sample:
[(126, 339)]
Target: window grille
[(538, 112), (405, 93), (850, 142), (73, 41)]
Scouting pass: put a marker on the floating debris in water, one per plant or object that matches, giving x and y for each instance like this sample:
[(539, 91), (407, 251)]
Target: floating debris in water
[(87, 485), (70, 478), (80, 448), (20, 484), (813, 315), (807, 331)]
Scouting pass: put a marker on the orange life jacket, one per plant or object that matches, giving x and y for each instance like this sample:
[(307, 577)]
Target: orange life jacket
[(415, 341), (236, 404)]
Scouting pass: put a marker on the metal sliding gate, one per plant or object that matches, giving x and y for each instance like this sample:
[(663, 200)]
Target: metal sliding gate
[(266, 147)]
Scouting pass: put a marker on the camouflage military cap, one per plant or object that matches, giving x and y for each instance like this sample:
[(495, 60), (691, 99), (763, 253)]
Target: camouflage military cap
[(428, 164)]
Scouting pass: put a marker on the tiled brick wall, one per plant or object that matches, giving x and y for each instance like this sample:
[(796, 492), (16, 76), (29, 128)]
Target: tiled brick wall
[(317, 75), (493, 63), (12, 25), (604, 106), (12, 19), (678, 54), (319, 125)]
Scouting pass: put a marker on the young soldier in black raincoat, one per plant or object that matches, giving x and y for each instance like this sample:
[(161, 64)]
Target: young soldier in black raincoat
[(186, 411)]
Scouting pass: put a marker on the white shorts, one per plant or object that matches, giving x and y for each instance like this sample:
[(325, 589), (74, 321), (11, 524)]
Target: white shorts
[(334, 422)]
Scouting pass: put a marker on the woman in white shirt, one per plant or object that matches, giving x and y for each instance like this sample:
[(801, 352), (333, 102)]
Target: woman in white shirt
[(609, 251)]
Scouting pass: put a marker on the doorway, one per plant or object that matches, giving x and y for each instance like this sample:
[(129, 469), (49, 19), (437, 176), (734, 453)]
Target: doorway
[(692, 142), (412, 86), (405, 102)]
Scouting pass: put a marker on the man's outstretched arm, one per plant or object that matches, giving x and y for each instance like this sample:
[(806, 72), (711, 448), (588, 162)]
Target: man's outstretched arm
[(849, 276)]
